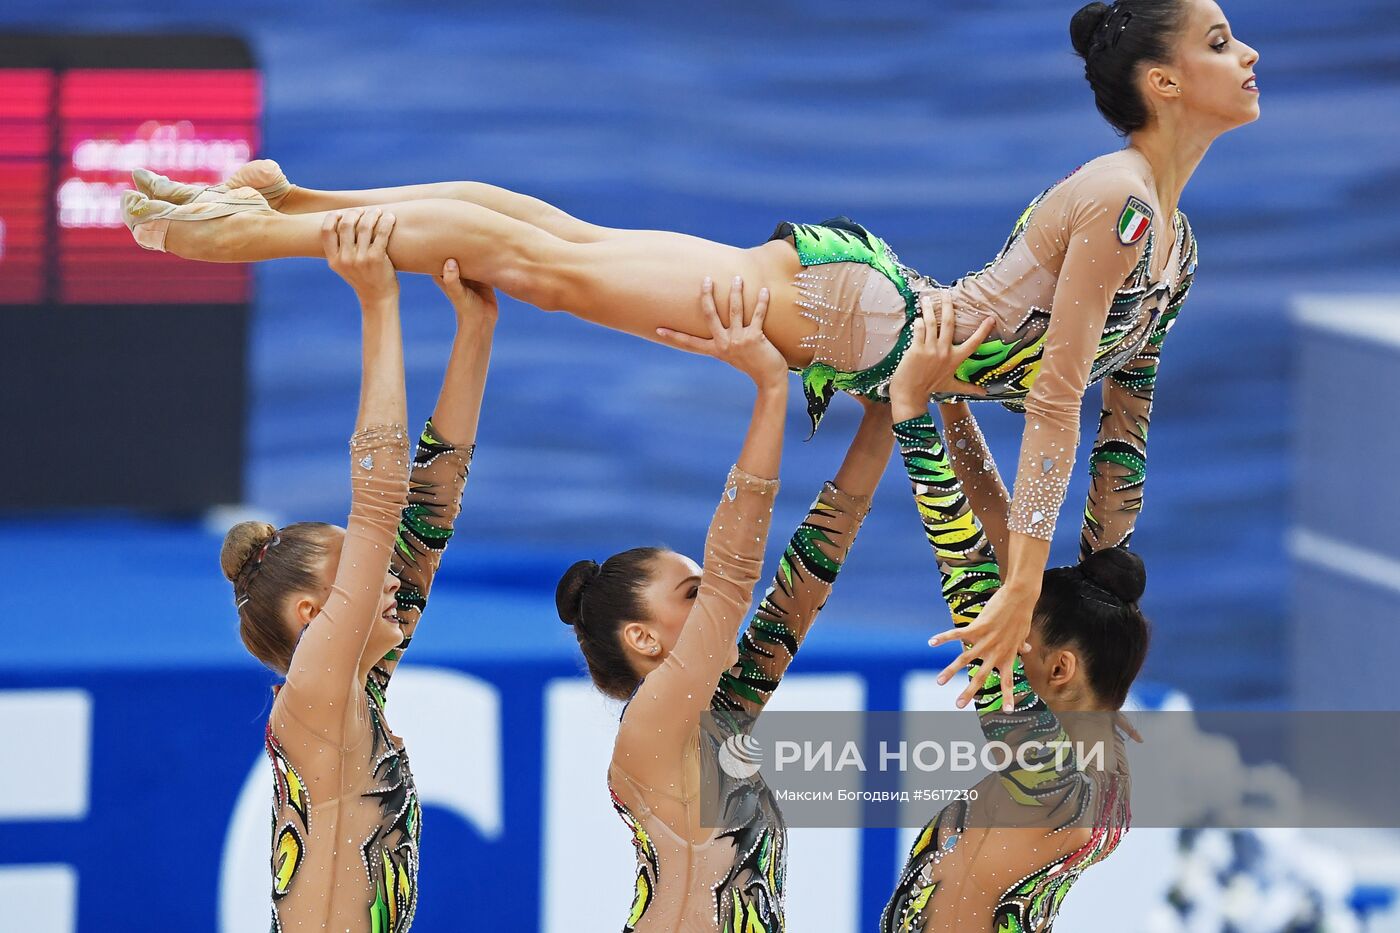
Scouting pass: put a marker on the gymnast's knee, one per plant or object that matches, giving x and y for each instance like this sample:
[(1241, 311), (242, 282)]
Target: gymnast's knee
[(534, 284)]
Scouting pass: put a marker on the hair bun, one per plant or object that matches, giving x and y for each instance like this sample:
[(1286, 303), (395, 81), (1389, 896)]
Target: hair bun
[(240, 543), (1117, 570), (1082, 28), (568, 596)]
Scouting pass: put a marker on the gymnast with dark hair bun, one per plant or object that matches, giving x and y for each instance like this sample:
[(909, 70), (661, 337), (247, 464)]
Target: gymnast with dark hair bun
[(1084, 290), (1003, 858), (658, 631)]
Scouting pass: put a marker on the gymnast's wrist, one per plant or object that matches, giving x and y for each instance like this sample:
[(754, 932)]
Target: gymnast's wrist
[(1022, 583), (905, 404), (953, 412), (475, 324), (773, 383), (475, 313), (378, 300)]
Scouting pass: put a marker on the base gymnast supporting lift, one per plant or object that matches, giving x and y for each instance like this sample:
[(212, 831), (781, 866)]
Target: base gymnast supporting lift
[(332, 610), (659, 632), (1006, 860)]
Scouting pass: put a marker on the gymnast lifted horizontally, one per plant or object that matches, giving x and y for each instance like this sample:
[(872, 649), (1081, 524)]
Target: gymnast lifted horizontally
[(1085, 288)]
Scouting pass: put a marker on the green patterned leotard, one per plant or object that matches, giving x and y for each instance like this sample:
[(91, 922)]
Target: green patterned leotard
[(733, 880), (1005, 861), (1080, 293), (346, 813)]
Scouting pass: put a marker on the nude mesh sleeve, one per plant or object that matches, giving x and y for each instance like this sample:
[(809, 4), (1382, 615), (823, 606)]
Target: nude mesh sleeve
[(425, 527), (1118, 462), (663, 715), (1095, 266), (981, 481), (806, 572), (327, 657)]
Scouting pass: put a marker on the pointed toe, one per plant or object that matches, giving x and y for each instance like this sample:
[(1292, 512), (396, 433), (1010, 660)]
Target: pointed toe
[(149, 219), (134, 203), (161, 188), (144, 218), (263, 175)]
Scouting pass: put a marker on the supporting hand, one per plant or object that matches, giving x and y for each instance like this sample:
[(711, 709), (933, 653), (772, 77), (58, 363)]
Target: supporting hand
[(931, 362), (742, 344), (356, 244), (473, 302), (458, 410)]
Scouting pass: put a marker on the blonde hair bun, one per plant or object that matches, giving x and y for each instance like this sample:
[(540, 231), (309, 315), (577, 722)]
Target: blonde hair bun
[(240, 543)]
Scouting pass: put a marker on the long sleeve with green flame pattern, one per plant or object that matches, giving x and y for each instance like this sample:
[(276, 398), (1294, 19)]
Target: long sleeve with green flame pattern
[(806, 571), (1006, 860), (970, 575), (435, 488)]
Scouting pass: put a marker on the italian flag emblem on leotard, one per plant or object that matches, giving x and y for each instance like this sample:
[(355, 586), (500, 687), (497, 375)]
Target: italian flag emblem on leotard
[(1134, 221)]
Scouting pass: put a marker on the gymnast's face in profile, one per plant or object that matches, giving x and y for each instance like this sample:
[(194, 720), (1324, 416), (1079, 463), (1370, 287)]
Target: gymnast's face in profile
[(1058, 676), (386, 633), (1040, 671), (1212, 69), (669, 595)]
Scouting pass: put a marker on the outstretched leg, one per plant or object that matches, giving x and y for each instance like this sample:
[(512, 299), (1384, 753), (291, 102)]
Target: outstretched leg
[(267, 178), (522, 207), (636, 283)]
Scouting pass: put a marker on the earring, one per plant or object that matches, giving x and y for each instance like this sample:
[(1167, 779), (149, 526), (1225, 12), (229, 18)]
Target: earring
[(654, 648)]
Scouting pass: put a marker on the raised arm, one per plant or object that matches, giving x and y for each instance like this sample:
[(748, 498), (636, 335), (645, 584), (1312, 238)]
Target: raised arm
[(1118, 463), (970, 576), (661, 719), (807, 570), (443, 458), (1097, 261), (977, 471), (325, 667)]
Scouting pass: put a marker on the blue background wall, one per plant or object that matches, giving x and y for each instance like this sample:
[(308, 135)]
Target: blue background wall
[(933, 124)]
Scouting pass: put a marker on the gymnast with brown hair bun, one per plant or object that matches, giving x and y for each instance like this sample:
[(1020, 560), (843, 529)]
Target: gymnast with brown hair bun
[(332, 610)]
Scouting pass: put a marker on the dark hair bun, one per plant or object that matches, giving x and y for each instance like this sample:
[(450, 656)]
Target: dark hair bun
[(568, 596), (1117, 570), (1085, 24)]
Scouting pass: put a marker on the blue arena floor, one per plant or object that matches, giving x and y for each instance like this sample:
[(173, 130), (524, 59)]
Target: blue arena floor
[(931, 124)]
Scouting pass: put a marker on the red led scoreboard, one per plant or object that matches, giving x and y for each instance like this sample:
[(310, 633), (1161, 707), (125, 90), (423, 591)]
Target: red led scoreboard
[(198, 125), (69, 138), (101, 336), (26, 137)]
